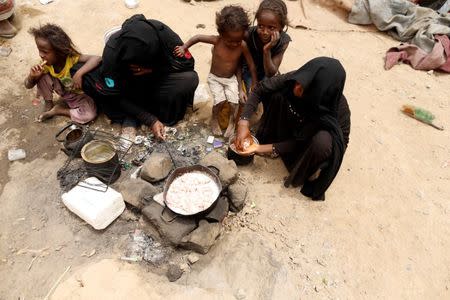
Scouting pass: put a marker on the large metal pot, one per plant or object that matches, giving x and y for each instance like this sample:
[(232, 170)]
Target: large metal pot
[(184, 170), (101, 160)]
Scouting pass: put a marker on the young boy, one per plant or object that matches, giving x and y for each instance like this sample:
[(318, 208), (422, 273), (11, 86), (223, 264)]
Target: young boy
[(229, 46)]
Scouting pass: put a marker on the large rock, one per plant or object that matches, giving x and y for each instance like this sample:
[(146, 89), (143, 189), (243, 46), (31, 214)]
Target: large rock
[(136, 191), (220, 210), (156, 167), (173, 228), (228, 172), (237, 194), (201, 239)]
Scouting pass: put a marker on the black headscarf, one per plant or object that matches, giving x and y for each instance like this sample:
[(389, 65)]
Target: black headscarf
[(323, 80), (136, 43)]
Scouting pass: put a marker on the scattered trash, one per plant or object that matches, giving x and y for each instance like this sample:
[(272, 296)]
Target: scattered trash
[(16, 154), (421, 115), (97, 208), (208, 149), (44, 2), (143, 247), (5, 51), (430, 72), (131, 3), (210, 139), (252, 205), (135, 174), (139, 139), (192, 258), (217, 144), (89, 254)]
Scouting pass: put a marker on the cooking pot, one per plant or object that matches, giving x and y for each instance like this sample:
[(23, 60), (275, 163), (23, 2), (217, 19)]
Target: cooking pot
[(101, 160), (74, 139), (239, 159), (184, 170)]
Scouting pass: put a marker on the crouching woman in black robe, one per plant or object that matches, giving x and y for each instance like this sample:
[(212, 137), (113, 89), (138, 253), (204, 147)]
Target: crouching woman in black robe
[(306, 121)]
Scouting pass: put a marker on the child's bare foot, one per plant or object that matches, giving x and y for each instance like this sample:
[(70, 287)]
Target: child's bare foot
[(47, 115), (215, 127), (48, 105), (230, 130)]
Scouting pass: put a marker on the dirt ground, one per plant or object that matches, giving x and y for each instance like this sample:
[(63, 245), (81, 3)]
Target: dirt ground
[(383, 231)]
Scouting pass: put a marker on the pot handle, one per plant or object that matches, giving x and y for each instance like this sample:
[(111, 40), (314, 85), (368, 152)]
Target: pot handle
[(61, 131), (167, 220), (213, 168)]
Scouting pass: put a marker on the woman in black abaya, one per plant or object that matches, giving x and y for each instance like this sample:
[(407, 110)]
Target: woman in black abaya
[(306, 121), (142, 78)]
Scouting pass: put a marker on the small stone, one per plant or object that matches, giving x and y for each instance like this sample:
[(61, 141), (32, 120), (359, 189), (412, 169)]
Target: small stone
[(228, 172), (428, 86), (135, 191), (156, 167), (240, 294), (5, 51), (192, 258), (430, 72), (174, 272), (202, 238), (201, 26), (237, 193)]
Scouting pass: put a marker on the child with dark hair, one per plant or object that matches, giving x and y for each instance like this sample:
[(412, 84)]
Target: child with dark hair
[(229, 46), (267, 41), (59, 55)]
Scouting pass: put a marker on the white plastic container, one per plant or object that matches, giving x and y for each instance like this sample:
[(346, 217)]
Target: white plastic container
[(97, 208), (16, 154)]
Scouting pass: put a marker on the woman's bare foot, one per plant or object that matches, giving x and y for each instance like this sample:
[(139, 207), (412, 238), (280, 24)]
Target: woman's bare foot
[(7, 30)]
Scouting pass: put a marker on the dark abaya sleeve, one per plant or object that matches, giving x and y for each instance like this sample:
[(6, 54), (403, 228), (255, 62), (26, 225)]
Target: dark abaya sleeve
[(260, 93)]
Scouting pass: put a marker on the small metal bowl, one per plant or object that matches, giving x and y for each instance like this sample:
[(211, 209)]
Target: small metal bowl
[(239, 159)]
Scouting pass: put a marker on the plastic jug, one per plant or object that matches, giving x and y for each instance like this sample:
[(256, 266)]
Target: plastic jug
[(97, 208)]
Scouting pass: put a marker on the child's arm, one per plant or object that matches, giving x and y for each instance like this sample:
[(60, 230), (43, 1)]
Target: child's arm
[(271, 64), (199, 38), (250, 64), (90, 62), (242, 93), (35, 73)]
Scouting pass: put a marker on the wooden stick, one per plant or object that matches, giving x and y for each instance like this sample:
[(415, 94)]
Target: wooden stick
[(56, 283)]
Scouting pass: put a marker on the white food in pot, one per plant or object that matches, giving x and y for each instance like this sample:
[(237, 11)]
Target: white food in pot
[(192, 193)]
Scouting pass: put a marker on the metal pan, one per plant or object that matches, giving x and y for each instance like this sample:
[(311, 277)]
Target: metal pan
[(183, 170)]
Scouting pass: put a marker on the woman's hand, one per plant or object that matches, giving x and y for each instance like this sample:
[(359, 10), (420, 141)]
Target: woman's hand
[(138, 70), (77, 80), (158, 130), (274, 37), (243, 133), (250, 150)]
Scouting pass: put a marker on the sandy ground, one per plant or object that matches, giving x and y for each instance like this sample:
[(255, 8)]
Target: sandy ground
[(383, 232)]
